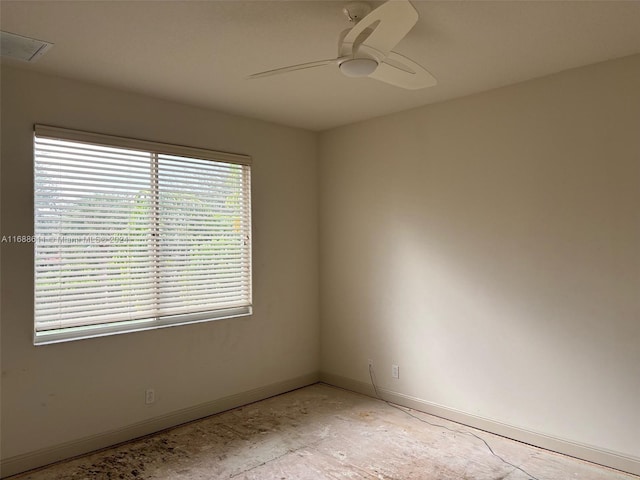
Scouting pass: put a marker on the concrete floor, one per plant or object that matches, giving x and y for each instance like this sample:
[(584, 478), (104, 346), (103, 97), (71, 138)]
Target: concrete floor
[(322, 432)]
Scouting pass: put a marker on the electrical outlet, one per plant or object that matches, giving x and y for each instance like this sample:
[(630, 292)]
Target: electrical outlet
[(149, 396), (395, 371)]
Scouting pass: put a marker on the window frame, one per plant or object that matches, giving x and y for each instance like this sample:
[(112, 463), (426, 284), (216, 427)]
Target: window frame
[(43, 337)]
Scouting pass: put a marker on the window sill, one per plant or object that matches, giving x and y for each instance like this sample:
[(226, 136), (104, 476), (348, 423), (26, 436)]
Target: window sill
[(94, 331)]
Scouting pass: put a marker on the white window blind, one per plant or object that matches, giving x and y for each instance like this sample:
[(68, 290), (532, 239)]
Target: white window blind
[(131, 235)]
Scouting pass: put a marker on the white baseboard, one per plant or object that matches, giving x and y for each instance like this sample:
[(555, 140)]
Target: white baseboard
[(46, 456), (589, 453)]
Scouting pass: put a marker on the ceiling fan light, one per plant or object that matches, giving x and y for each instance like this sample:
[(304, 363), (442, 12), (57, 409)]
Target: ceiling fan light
[(358, 67)]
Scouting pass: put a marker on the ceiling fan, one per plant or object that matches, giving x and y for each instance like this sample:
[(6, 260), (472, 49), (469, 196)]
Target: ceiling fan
[(365, 50)]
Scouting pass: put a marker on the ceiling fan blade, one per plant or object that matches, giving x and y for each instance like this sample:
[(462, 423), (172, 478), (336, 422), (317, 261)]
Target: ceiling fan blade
[(292, 68), (389, 23), (403, 72)]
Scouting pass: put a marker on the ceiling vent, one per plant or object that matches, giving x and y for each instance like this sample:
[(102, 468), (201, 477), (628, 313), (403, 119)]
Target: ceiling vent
[(22, 48)]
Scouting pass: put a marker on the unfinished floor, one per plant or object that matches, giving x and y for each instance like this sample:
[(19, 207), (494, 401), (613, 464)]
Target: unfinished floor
[(323, 432)]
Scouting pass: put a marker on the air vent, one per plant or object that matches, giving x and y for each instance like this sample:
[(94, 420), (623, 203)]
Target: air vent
[(22, 48)]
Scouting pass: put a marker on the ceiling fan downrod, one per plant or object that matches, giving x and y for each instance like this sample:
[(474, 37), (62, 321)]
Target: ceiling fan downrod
[(356, 11)]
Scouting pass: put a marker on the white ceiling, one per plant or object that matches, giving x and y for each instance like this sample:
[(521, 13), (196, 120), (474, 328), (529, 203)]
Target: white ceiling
[(200, 52)]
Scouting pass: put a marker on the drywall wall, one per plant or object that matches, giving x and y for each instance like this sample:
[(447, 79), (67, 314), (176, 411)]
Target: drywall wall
[(490, 247), (60, 393)]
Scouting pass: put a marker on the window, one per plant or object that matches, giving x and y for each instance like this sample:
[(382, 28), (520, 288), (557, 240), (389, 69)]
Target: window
[(131, 235)]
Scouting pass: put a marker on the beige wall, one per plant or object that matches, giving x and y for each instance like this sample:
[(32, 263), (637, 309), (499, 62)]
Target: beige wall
[(58, 393), (490, 246)]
